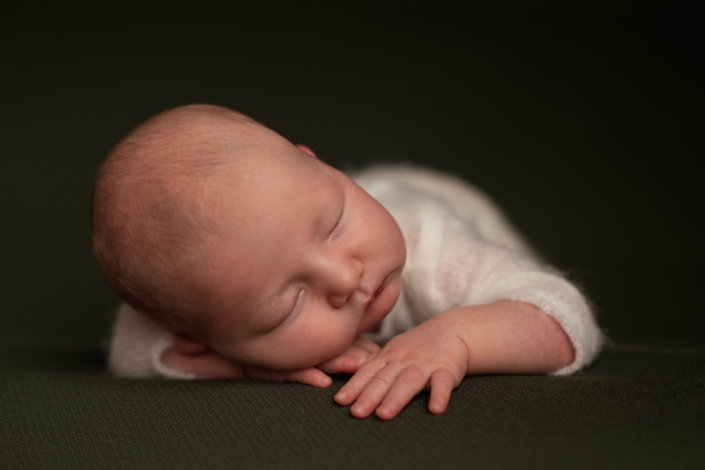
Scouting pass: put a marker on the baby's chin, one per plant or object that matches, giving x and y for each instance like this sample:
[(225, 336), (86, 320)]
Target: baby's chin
[(327, 355), (297, 360)]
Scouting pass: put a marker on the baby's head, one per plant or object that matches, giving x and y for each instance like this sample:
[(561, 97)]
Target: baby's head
[(222, 230)]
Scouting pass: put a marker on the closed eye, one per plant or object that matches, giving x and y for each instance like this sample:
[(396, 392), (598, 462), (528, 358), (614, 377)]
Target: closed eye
[(296, 308), (335, 228)]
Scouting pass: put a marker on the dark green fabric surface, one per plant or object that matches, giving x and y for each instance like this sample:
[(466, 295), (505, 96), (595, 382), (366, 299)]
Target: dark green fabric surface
[(632, 409)]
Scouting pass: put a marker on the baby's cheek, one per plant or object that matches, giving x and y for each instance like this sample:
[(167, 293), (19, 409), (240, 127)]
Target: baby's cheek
[(306, 345), (331, 342)]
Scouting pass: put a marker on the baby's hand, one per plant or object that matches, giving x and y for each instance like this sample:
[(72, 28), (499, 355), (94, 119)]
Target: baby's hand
[(352, 358), (430, 356), (346, 363)]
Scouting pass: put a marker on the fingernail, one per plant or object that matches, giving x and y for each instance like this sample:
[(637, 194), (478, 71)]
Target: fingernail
[(357, 408), (325, 381), (341, 395), (384, 410)]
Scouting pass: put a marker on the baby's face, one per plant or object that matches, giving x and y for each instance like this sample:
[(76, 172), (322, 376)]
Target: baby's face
[(313, 262)]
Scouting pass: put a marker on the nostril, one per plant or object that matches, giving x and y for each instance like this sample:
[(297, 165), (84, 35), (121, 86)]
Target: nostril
[(338, 301)]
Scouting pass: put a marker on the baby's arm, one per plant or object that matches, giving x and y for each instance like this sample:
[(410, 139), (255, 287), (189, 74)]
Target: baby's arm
[(501, 312), (505, 337)]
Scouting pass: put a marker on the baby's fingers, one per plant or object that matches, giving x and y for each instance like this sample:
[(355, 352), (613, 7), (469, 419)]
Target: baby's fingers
[(358, 382), (360, 351), (379, 386), (406, 386), (365, 344), (310, 376), (442, 384), (345, 364)]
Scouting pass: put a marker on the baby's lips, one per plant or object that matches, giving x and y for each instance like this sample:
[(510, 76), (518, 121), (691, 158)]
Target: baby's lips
[(377, 293), (380, 288)]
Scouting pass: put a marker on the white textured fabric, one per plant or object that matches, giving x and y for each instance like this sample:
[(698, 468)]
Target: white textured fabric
[(137, 346), (460, 251)]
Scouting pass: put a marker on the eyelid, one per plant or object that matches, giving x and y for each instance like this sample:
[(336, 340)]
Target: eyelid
[(337, 223), (296, 309)]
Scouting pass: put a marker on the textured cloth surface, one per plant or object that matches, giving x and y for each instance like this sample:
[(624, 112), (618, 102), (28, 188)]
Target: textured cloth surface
[(631, 409)]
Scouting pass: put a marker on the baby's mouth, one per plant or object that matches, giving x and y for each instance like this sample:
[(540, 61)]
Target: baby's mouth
[(380, 289), (376, 294)]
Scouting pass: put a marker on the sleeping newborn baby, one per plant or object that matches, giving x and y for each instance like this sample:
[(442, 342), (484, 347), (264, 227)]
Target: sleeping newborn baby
[(240, 255)]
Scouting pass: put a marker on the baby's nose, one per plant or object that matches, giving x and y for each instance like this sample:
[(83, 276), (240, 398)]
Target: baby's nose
[(343, 281)]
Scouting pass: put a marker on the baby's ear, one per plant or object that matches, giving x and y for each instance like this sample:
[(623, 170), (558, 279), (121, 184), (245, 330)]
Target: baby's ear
[(307, 150)]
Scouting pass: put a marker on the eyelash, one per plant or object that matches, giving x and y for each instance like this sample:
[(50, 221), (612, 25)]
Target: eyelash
[(337, 223), (296, 302)]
